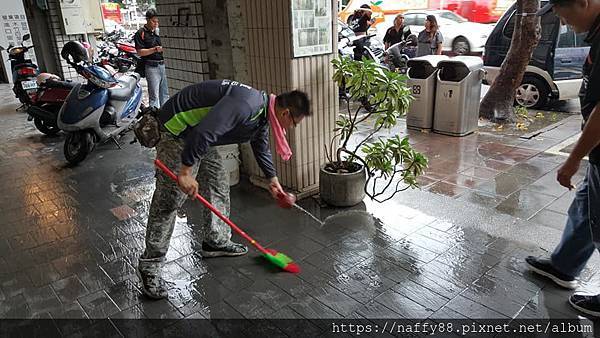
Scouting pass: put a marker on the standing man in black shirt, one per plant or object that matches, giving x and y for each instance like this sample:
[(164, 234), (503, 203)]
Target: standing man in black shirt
[(581, 236), (149, 48)]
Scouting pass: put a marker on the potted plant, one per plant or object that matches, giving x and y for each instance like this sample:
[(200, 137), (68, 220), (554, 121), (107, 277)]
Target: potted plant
[(365, 163)]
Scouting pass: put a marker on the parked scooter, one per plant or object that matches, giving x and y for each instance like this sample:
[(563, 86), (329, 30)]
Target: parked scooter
[(24, 71), (398, 54), (51, 93), (119, 54), (363, 46), (47, 101), (100, 110)]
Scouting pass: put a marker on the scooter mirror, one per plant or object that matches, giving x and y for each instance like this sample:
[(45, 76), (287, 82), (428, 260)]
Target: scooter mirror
[(26, 37)]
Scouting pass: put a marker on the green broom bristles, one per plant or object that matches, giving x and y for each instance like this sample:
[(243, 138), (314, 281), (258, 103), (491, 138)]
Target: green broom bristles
[(282, 261)]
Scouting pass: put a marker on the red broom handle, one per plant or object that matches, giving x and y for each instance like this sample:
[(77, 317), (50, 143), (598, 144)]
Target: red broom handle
[(241, 232)]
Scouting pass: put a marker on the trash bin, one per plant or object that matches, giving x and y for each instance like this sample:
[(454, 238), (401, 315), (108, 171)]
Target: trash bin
[(458, 93), (421, 81)]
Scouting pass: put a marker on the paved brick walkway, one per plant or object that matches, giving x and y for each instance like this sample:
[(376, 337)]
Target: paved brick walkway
[(70, 238)]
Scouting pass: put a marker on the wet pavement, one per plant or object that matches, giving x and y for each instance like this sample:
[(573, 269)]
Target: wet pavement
[(70, 238)]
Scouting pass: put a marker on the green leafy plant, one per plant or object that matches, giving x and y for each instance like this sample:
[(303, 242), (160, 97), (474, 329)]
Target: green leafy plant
[(382, 96)]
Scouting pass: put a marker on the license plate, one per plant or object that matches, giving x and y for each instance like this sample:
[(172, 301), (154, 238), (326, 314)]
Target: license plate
[(29, 84)]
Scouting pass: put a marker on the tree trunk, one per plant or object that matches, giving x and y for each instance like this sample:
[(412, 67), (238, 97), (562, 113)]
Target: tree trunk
[(497, 105)]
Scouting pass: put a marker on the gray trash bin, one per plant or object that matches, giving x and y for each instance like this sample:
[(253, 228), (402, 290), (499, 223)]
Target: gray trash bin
[(421, 80), (458, 93)]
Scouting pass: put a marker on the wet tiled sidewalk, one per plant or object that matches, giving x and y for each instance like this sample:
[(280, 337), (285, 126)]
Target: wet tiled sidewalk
[(512, 175), (70, 238)]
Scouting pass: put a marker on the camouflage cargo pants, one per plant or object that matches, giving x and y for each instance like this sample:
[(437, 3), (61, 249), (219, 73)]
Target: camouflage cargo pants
[(213, 184)]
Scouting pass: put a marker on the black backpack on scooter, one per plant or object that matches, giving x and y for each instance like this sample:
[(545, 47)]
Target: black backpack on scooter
[(147, 129)]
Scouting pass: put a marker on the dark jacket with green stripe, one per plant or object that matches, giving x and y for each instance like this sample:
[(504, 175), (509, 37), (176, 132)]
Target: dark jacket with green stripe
[(219, 112)]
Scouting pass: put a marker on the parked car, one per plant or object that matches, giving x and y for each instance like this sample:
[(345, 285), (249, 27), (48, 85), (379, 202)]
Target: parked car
[(483, 11), (555, 69), (460, 35)]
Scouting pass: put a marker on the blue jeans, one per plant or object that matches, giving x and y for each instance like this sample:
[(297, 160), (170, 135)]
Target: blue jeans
[(582, 232), (158, 89)]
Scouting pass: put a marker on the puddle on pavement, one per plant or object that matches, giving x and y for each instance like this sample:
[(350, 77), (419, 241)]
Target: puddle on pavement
[(352, 219), (182, 294)]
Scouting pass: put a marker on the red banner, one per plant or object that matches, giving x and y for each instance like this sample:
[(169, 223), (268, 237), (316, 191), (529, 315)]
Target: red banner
[(111, 11)]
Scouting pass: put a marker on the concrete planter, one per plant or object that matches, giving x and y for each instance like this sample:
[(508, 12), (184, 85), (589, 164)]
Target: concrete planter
[(342, 189)]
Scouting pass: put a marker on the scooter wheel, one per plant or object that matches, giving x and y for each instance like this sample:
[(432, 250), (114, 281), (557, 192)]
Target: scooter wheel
[(78, 145), (45, 127)]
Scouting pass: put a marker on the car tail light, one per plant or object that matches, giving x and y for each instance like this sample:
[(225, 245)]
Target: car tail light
[(26, 71)]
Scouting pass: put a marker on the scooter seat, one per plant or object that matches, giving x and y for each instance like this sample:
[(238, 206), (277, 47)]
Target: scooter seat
[(124, 90), (50, 83)]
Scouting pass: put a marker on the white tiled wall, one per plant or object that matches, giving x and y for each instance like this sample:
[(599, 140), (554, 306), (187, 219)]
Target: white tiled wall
[(184, 41)]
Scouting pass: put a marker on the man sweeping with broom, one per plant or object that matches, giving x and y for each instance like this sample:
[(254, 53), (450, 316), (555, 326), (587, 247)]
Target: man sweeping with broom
[(186, 129)]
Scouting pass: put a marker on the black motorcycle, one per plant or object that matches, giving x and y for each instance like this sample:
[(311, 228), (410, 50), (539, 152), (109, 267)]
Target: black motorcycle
[(24, 71), (115, 51), (363, 46), (398, 54), (360, 47)]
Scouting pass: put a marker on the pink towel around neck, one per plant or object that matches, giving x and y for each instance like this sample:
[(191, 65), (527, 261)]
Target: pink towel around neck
[(281, 144)]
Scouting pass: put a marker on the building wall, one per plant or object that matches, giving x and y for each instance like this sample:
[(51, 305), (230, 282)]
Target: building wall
[(184, 41), (40, 37), (220, 59), (239, 40), (272, 67)]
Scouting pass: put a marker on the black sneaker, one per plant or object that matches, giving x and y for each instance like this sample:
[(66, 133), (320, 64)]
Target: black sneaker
[(153, 286), (588, 304), (230, 249), (544, 268)]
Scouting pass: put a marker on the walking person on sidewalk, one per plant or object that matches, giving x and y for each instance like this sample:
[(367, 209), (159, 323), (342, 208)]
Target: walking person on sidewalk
[(149, 48), (189, 125), (581, 236)]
